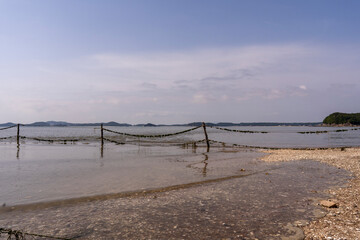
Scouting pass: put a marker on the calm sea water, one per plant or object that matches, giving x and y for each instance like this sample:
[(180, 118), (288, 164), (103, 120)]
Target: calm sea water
[(47, 172), (38, 171), (276, 137)]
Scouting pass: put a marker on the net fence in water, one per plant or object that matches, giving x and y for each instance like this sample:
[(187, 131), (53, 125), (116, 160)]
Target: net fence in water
[(151, 136), (163, 135), (239, 131), (7, 127), (90, 135), (12, 234)]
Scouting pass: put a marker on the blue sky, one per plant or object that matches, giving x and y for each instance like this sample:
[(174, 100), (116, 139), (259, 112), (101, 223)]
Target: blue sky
[(178, 61)]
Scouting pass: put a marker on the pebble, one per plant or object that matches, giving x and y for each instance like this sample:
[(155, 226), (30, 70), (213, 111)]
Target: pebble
[(328, 204)]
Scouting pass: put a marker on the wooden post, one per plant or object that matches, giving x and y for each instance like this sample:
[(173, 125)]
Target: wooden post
[(206, 137), (18, 142), (18, 134), (102, 135)]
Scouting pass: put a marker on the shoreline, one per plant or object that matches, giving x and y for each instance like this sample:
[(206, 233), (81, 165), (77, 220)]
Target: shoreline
[(206, 204), (342, 222)]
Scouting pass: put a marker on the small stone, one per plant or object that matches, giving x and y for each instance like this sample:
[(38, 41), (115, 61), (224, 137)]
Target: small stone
[(328, 204)]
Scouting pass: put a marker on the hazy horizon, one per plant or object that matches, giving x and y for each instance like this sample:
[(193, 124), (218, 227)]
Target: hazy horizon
[(168, 62), (175, 123)]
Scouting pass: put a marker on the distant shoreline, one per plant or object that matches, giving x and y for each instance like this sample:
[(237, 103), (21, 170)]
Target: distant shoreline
[(221, 124), (339, 125), (115, 124)]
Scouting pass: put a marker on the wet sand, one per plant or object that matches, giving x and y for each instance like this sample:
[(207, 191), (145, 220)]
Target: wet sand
[(342, 222), (264, 200)]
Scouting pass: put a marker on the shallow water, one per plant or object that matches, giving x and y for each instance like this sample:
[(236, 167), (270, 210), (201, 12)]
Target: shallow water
[(43, 172), (265, 204), (127, 191)]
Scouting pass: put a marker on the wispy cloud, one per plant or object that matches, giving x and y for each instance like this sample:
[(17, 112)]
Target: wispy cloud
[(162, 85)]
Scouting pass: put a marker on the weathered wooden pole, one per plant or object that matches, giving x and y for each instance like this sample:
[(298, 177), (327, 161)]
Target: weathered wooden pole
[(206, 137), (102, 135), (18, 134)]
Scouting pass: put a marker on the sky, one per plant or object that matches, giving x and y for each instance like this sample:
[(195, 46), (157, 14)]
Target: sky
[(178, 61)]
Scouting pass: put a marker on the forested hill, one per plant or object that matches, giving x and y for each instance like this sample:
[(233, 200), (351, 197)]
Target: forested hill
[(343, 118)]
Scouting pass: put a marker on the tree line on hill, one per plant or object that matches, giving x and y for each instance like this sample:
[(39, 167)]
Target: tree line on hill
[(338, 118)]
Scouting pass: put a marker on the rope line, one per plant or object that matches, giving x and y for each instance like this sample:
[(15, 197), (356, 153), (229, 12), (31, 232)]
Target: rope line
[(113, 141), (234, 130), (307, 132), (197, 141), (151, 136), (193, 142), (338, 130), (278, 148), (20, 235), (7, 127), (51, 140), (186, 143), (3, 138), (180, 143), (213, 141)]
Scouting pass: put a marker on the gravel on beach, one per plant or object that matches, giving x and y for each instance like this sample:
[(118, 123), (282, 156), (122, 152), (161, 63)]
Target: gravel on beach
[(343, 221)]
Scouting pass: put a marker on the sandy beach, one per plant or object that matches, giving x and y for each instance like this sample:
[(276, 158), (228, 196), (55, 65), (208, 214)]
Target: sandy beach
[(342, 222), (275, 196)]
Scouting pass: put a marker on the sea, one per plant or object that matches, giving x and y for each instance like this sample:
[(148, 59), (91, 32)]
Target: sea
[(55, 163)]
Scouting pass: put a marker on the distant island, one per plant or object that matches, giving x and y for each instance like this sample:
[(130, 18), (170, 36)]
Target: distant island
[(334, 119), (115, 124), (345, 119)]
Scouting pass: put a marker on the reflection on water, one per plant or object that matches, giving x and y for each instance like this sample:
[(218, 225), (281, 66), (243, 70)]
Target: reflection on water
[(18, 151), (197, 165), (43, 172), (205, 164)]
